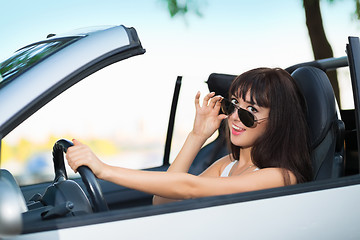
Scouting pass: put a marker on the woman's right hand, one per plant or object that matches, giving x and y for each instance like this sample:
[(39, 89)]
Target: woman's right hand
[(207, 118), (81, 154)]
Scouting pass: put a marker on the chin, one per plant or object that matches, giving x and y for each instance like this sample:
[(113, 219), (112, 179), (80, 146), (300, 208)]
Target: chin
[(240, 143)]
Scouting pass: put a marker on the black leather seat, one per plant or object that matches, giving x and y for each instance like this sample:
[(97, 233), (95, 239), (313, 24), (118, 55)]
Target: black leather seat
[(327, 131)]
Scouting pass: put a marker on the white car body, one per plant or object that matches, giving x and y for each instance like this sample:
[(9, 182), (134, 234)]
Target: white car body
[(297, 216)]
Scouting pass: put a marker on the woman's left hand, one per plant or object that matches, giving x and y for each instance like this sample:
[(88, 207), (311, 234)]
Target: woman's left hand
[(81, 155)]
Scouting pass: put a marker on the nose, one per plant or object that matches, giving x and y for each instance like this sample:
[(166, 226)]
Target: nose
[(234, 116)]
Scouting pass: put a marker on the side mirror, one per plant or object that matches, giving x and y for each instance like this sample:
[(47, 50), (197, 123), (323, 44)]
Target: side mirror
[(12, 205)]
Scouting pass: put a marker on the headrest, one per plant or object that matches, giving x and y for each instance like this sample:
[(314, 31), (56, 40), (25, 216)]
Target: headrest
[(316, 88), (220, 83), (320, 101)]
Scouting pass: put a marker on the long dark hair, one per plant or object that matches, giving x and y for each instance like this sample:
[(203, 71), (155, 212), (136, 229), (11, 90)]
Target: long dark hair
[(284, 143)]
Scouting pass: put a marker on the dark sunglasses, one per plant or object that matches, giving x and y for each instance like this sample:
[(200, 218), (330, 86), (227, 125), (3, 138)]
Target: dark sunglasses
[(246, 117)]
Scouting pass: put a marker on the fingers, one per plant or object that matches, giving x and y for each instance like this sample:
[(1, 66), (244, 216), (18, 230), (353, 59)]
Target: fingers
[(209, 100), (222, 117), (72, 158), (78, 155), (76, 142), (218, 103), (215, 102), (208, 97), (197, 99)]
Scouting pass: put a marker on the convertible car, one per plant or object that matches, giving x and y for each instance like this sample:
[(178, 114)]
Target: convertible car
[(73, 207)]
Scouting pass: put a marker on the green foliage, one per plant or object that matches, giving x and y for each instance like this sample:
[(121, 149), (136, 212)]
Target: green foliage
[(176, 7), (26, 57)]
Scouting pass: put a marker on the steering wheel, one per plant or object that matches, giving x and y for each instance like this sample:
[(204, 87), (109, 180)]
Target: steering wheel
[(87, 176)]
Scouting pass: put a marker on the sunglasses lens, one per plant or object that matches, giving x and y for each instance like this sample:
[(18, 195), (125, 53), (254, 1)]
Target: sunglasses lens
[(227, 107), (246, 117)]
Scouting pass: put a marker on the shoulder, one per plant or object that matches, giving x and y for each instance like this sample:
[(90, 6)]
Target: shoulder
[(217, 167), (252, 181), (274, 175)]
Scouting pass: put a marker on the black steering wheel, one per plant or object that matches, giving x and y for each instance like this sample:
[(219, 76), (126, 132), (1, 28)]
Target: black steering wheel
[(87, 176)]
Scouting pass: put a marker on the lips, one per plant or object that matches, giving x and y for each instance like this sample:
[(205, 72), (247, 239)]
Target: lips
[(236, 130)]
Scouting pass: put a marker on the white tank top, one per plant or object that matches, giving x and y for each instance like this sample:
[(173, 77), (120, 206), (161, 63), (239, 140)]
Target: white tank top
[(227, 169)]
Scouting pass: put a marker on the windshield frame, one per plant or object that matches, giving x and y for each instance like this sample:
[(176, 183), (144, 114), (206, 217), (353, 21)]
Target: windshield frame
[(27, 57), (31, 55)]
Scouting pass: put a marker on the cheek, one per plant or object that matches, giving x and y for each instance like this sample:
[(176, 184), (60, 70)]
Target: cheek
[(261, 127), (249, 137), (259, 130), (254, 134)]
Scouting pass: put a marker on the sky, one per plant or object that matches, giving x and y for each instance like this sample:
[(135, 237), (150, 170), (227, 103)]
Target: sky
[(231, 36), (236, 26)]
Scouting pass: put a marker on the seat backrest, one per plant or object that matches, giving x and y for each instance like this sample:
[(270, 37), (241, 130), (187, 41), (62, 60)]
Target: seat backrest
[(326, 129)]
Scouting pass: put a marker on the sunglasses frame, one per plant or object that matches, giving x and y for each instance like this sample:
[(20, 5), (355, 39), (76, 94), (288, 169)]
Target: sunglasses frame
[(240, 111)]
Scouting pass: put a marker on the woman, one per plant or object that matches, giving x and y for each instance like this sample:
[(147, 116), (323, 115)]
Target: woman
[(268, 137)]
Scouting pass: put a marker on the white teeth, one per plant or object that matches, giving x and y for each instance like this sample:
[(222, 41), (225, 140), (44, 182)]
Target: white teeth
[(237, 128)]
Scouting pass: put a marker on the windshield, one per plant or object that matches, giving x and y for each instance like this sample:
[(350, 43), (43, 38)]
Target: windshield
[(29, 56)]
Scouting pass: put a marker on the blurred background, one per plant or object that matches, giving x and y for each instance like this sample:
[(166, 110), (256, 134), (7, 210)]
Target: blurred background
[(125, 107)]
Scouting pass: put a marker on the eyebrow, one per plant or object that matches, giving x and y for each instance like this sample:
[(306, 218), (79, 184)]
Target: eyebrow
[(246, 101)]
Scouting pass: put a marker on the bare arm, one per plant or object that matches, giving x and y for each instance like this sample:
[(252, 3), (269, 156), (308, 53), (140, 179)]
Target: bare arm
[(183, 161), (175, 185), (213, 171), (206, 122)]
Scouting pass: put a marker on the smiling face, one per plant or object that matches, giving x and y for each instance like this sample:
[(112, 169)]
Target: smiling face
[(243, 136)]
